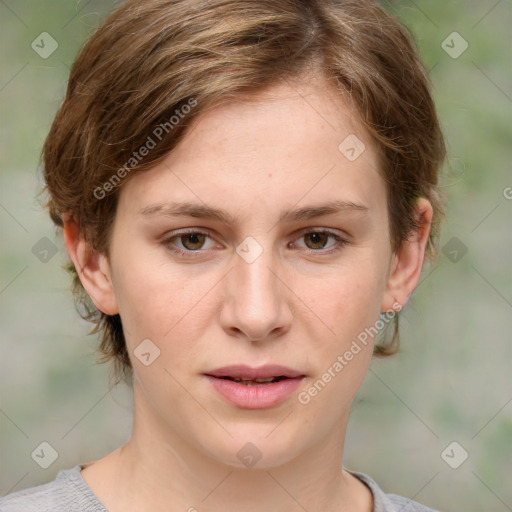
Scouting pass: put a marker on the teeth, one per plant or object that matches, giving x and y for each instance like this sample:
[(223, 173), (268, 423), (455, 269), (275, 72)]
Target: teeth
[(250, 382)]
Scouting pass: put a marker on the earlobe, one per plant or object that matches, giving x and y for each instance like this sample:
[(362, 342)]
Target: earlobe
[(407, 263), (92, 268)]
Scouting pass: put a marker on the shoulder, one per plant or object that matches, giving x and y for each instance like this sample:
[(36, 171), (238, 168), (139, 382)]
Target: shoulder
[(389, 502), (67, 493)]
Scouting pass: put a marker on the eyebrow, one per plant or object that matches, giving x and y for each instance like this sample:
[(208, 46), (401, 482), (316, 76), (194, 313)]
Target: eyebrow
[(174, 209)]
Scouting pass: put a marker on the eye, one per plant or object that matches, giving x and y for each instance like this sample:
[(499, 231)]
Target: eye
[(317, 239), (191, 241)]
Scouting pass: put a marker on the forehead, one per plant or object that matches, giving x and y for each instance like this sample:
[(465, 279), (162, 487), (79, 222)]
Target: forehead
[(291, 141)]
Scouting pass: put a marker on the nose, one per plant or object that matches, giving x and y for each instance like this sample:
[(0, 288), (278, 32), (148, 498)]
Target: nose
[(257, 301)]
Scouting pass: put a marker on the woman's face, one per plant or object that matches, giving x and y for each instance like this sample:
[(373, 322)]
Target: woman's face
[(251, 287)]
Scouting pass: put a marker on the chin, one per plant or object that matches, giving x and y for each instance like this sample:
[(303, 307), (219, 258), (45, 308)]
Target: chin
[(256, 447)]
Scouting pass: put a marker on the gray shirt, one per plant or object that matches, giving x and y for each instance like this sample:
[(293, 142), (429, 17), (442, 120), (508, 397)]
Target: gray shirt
[(69, 493)]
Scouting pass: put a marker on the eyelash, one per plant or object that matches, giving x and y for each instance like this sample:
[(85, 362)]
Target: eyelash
[(341, 242)]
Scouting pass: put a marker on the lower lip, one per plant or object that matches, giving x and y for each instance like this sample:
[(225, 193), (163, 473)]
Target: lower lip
[(257, 396)]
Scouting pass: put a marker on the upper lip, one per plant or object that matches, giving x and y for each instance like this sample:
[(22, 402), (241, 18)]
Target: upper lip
[(242, 371)]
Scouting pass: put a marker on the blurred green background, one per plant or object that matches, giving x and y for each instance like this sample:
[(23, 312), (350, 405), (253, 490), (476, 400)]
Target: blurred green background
[(450, 382)]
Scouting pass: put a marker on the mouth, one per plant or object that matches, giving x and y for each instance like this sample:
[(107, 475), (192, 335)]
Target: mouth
[(263, 375), (252, 382), (255, 388)]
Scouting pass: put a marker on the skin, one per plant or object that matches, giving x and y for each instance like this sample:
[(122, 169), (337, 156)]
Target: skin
[(273, 151)]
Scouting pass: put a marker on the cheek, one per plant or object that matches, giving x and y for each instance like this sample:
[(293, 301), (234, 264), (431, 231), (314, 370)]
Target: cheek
[(162, 302), (349, 304), (345, 300), (151, 298)]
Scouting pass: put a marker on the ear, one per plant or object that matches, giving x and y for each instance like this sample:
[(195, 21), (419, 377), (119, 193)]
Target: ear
[(407, 263), (92, 268)]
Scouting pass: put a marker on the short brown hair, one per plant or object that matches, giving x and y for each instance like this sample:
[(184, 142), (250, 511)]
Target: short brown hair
[(154, 59)]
